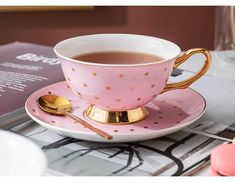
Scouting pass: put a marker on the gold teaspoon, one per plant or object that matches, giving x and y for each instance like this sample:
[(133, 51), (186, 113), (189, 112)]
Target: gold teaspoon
[(61, 106)]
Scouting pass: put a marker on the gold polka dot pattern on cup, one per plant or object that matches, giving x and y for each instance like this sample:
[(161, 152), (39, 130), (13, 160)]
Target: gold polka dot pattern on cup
[(68, 86), (115, 130), (121, 75), (132, 88), (53, 121), (131, 130), (118, 100), (160, 117), (85, 85), (145, 126), (155, 122), (154, 95), (69, 79), (138, 99), (73, 69), (108, 88), (165, 69), (97, 98), (153, 85), (94, 74), (78, 93), (180, 114), (146, 74)]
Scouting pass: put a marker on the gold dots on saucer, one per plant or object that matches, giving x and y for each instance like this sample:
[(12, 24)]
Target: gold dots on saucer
[(85, 85), (153, 85), (155, 122), (73, 69), (154, 95), (121, 75), (138, 99), (118, 100), (55, 123), (132, 130), (94, 74), (69, 79), (146, 74), (68, 86), (108, 88), (115, 130), (132, 88), (49, 92), (145, 126), (33, 110), (78, 93), (160, 117)]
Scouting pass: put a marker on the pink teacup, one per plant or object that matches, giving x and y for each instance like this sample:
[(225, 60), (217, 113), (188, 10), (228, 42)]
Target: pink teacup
[(117, 93)]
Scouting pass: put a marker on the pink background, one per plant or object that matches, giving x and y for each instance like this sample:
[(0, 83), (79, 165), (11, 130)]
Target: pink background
[(187, 26)]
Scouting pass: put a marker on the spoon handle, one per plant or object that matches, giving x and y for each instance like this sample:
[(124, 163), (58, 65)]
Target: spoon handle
[(87, 125)]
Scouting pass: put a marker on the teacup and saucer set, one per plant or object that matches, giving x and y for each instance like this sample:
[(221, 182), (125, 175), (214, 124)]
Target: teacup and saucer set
[(118, 102)]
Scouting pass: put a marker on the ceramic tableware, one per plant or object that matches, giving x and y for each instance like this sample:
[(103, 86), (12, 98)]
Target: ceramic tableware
[(20, 156), (168, 113), (117, 93)]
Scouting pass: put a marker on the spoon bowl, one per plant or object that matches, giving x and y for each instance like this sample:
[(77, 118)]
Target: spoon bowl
[(54, 104)]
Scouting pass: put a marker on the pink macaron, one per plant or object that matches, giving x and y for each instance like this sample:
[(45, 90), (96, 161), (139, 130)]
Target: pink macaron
[(223, 160)]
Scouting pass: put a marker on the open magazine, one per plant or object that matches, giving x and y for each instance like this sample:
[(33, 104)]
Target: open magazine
[(181, 153), (24, 68), (172, 155)]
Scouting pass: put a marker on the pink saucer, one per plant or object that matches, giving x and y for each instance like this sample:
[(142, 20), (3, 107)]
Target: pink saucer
[(168, 113)]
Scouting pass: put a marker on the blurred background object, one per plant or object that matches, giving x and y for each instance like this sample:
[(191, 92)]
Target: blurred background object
[(225, 34), (225, 42), (187, 26)]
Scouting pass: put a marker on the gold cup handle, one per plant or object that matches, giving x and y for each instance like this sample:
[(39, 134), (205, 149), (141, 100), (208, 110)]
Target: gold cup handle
[(186, 83)]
